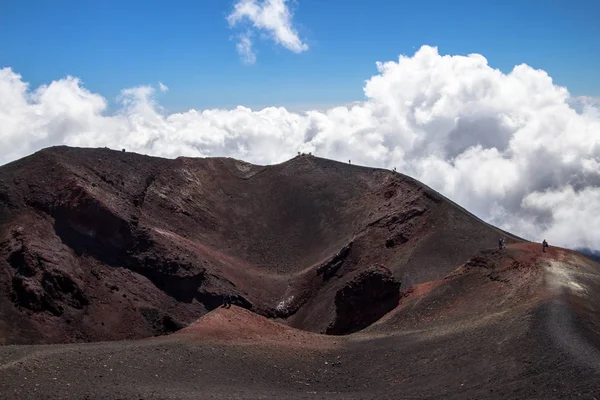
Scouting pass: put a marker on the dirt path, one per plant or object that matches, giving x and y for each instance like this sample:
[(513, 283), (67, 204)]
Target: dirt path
[(563, 325)]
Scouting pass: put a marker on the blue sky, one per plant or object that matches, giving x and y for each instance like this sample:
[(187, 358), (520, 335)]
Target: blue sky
[(506, 146), (190, 47)]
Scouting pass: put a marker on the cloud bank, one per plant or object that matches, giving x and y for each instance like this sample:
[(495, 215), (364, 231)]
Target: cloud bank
[(272, 17), (511, 148)]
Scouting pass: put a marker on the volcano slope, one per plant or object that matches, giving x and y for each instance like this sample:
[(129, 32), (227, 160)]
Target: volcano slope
[(346, 282), (106, 245)]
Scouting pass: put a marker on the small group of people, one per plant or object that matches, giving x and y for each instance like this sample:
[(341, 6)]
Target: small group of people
[(502, 244)]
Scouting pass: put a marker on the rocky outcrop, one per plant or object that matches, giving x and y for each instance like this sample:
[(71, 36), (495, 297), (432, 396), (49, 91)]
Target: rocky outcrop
[(98, 244), (363, 300), (329, 268)]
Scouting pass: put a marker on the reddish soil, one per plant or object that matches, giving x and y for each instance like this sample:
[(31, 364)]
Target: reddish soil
[(104, 245), (242, 327), (346, 282)]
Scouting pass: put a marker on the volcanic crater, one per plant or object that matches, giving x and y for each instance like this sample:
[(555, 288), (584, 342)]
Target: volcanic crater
[(363, 280)]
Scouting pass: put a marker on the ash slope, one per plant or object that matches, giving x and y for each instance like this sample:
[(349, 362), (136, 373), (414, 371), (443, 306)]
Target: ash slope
[(511, 323), (454, 317), (100, 245)]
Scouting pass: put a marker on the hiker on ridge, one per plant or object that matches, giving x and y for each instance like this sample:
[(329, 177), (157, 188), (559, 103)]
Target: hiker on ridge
[(226, 301), (544, 245), (500, 244)]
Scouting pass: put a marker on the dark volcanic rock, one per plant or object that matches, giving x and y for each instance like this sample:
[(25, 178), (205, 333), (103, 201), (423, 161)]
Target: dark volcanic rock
[(329, 269), (364, 300), (91, 239)]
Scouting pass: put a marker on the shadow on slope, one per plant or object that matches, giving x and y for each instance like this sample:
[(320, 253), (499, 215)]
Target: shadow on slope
[(306, 241)]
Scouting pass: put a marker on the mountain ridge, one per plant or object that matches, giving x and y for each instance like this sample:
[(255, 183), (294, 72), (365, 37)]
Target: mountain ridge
[(344, 282), (198, 230)]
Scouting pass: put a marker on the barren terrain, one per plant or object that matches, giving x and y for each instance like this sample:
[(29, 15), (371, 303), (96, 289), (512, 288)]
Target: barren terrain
[(345, 282)]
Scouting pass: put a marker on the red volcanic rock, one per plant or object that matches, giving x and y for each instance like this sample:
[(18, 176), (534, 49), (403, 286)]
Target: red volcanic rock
[(97, 244)]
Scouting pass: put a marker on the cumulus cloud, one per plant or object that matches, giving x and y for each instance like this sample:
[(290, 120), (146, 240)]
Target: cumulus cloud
[(585, 104), (589, 100), (163, 87), (509, 147), (272, 17)]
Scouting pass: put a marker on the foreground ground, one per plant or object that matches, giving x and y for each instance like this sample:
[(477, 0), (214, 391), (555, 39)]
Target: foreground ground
[(512, 323)]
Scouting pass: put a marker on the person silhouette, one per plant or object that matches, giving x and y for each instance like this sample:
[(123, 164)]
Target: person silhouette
[(226, 301)]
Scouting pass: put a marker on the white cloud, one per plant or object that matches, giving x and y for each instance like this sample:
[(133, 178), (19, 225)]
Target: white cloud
[(270, 16), (587, 104), (508, 147), (587, 100), (244, 49), (571, 211), (163, 87)]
